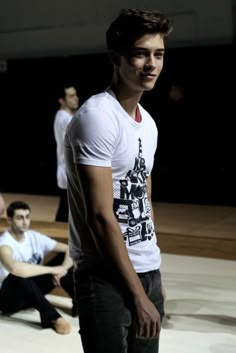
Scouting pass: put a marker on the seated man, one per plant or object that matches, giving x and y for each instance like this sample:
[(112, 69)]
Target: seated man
[(24, 278)]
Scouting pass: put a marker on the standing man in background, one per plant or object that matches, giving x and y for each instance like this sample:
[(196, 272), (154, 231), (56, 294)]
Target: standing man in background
[(69, 102), (110, 146)]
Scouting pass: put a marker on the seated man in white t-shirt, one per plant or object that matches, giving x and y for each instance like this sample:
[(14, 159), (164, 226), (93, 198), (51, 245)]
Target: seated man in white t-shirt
[(24, 278)]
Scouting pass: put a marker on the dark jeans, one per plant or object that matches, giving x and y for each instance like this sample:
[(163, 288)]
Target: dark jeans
[(106, 312), (19, 293), (63, 210)]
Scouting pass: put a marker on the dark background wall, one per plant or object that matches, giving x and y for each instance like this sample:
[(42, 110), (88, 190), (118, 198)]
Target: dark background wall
[(206, 171)]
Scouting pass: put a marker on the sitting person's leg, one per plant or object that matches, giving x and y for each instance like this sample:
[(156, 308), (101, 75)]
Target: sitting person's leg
[(66, 282), (21, 293)]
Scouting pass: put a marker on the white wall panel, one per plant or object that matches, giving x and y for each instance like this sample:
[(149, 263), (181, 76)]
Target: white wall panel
[(49, 27)]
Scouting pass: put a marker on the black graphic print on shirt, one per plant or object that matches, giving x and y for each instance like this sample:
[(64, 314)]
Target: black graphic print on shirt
[(131, 205), (35, 259)]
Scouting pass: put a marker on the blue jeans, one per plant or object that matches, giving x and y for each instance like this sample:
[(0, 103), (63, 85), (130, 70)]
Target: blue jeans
[(107, 314)]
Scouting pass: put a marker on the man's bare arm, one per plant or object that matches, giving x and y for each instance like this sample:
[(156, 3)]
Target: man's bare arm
[(23, 269), (64, 248), (67, 262)]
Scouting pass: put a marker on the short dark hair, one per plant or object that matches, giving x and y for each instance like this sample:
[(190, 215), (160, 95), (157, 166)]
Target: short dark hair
[(16, 205), (132, 24), (61, 88)]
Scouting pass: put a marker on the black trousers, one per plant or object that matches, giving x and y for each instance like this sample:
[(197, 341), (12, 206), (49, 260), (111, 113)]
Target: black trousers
[(107, 316), (63, 209), (19, 293)]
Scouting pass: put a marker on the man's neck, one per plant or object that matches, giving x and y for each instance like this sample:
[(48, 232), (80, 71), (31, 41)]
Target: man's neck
[(127, 98), (18, 236), (69, 111)]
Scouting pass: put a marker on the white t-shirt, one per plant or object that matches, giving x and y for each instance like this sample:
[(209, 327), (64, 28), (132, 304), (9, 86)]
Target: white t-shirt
[(61, 121), (103, 134), (32, 249)]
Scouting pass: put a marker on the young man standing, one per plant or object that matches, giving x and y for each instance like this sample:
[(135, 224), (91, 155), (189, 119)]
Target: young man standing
[(24, 277), (109, 151), (69, 103)]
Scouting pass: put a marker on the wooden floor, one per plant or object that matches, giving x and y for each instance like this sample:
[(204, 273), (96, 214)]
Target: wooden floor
[(197, 230), (186, 229)]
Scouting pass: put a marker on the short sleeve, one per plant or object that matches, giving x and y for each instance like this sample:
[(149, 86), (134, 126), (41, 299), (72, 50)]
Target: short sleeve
[(93, 135), (47, 244)]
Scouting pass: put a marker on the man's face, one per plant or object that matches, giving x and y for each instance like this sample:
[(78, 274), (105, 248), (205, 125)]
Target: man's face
[(71, 99), (141, 67), (20, 222)]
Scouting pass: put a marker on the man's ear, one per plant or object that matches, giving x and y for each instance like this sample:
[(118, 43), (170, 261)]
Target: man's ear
[(9, 220), (115, 58), (61, 101)]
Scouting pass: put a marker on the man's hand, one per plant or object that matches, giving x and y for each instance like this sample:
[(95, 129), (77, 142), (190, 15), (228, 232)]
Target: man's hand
[(148, 318), (58, 273)]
